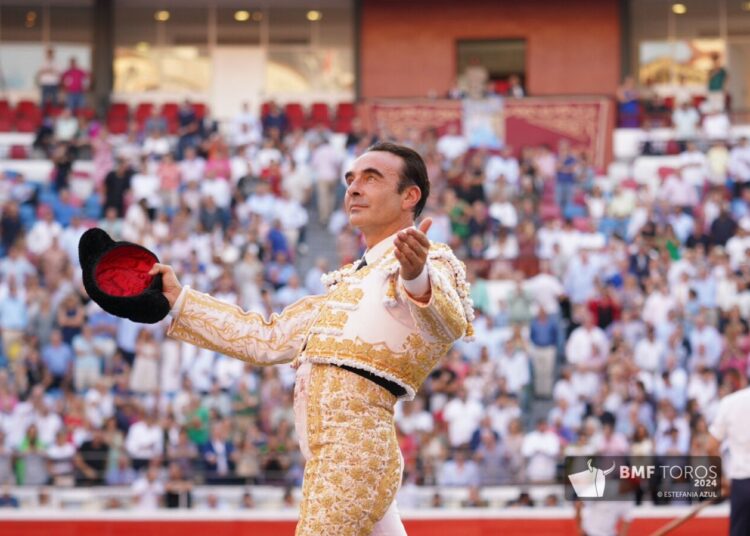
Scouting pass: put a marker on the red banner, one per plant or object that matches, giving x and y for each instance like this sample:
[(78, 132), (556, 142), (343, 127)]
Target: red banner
[(401, 116), (587, 123)]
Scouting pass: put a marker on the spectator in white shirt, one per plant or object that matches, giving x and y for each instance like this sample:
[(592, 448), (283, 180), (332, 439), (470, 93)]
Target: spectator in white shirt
[(145, 440), (326, 165), (587, 350), (541, 448), (192, 166), (148, 491), (156, 145), (686, 120), (648, 355), (43, 232), (703, 387), (452, 144), (705, 344), (657, 306), (459, 471), (739, 162), (693, 165), (412, 418), (462, 415), (502, 167), (514, 368)]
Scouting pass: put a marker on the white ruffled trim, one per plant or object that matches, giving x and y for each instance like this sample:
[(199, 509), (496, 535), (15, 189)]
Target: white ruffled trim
[(410, 393)]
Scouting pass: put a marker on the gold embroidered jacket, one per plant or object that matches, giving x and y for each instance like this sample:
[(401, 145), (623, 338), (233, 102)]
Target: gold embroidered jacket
[(366, 320)]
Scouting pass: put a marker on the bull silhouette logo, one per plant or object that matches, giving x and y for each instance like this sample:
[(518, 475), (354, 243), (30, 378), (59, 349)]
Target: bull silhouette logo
[(589, 484)]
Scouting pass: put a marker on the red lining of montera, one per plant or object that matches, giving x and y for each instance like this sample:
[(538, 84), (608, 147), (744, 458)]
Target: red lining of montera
[(123, 271)]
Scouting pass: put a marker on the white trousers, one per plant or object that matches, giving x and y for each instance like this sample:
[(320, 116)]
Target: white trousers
[(391, 524)]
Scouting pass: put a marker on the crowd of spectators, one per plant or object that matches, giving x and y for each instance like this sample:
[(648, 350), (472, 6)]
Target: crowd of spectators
[(620, 307)]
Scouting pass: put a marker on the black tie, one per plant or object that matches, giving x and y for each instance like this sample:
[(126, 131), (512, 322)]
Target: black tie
[(362, 264)]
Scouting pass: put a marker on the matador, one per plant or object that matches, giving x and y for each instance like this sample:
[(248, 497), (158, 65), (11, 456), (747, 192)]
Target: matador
[(371, 339)]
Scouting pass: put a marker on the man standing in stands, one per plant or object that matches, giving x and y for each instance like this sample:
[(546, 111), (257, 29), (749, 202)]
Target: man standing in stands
[(75, 81), (372, 339)]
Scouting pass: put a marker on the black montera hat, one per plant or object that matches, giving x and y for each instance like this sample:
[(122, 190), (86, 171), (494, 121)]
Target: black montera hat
[(115, 275)]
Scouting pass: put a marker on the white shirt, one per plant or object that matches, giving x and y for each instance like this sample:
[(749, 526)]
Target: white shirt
[(716, 126), (147, 494), (48, 426), (657, 307), (730, 425), (192, 170), (451, 147), (144, 441), (228, 371), (462, 418), (505, 213), (146, 186), (218, 189), (702, 389), (580, 345), (515, 369), (685, 123), (694, 166), (498, 166), (546, 290), (40, 237), (156, 146), (648, 354), (600, 518), (541, 450), (739, 163)]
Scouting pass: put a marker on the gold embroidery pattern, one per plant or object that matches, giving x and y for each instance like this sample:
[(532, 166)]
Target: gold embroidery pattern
[(443, 315), (409, 366), (345, 294), (331, 319), (355, 468), (225, 328)]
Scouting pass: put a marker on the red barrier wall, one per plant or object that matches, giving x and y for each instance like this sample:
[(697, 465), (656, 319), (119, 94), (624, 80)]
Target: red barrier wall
[(442, 527)]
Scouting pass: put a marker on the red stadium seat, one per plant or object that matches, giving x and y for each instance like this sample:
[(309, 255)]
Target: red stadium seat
[(4, 108), (119, 110), (319, 113), (143, 110), (170, 110), (27, 107), (342, 125), (669, 103), (27, 123), (6, 123), (345, 110), (200, 109), (54, 111), (117, 125), (86, 113), (18, 152), (295, 115)]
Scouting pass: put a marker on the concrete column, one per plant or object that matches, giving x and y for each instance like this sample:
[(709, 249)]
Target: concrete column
[(103, 54)]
